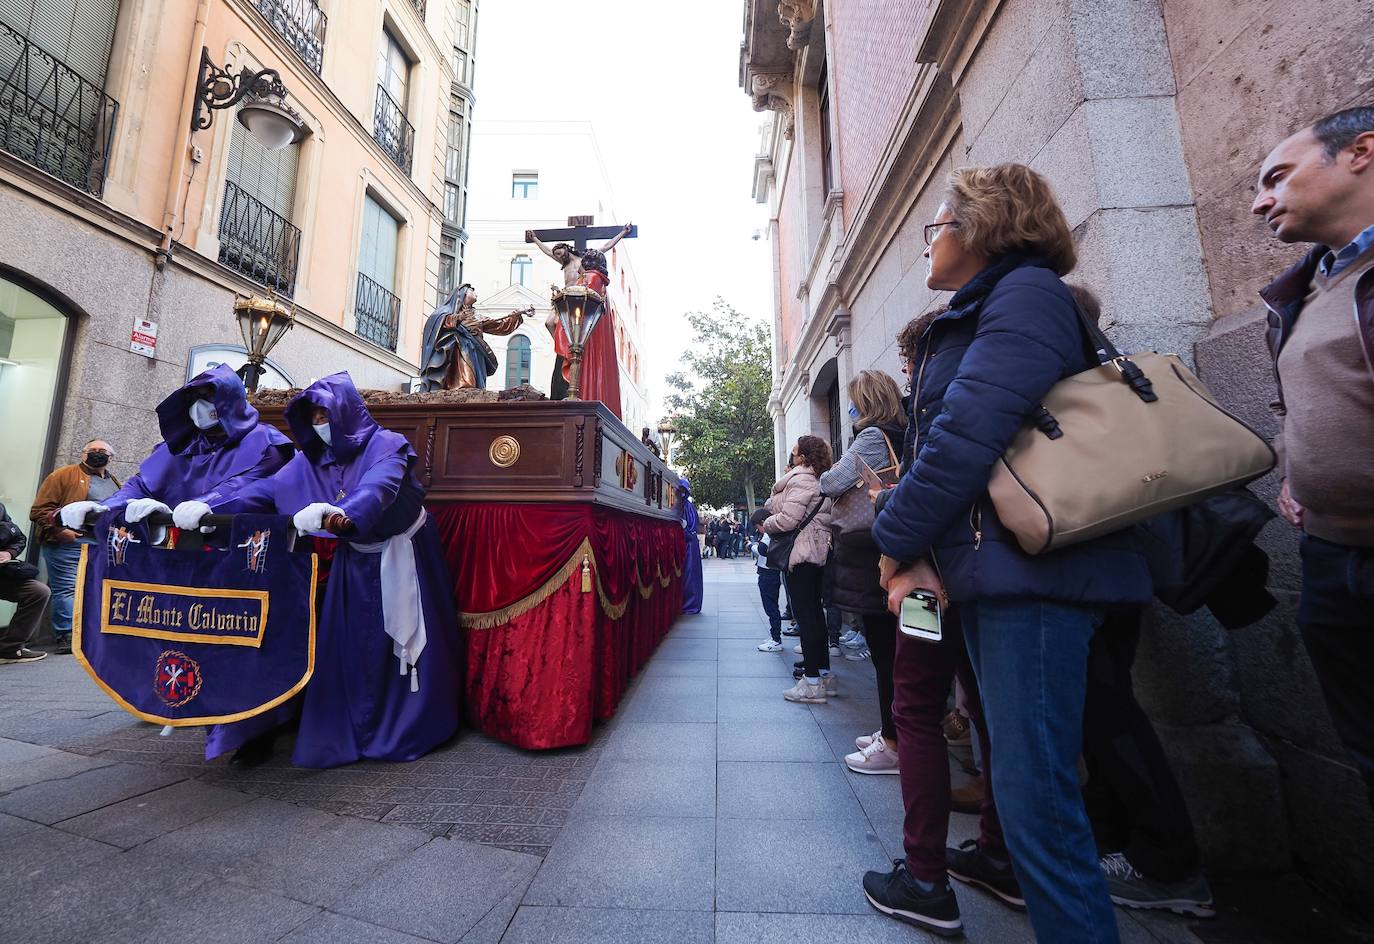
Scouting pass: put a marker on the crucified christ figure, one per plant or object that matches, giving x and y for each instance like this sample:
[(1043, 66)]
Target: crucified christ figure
[(569, 258)]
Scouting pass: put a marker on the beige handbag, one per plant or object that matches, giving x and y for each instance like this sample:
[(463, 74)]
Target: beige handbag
[(1109, 447)]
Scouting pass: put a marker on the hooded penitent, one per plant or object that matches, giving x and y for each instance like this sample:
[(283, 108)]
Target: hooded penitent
[(692, 591), (210, 464), (388, 676)]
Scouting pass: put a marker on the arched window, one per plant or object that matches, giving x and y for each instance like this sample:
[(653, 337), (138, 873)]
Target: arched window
[(520, 268), (517, 361)]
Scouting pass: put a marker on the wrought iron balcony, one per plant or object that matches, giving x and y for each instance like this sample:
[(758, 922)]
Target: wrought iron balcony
[(378, 313), (257, 242), (301, 23), (51, 117), (393, 132)]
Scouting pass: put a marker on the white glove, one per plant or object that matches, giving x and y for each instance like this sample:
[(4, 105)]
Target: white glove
[(140, 508), (187, 515), (74, 515), (311, 517)]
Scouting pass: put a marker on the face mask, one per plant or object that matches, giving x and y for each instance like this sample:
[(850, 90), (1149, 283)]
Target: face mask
[(322, 431), (97, 460), (853, 412), (203, 414)]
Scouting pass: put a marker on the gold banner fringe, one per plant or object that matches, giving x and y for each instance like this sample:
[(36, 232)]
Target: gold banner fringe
[(551, 586)]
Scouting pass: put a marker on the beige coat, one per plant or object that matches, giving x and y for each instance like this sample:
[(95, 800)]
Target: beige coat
[(794, 495)]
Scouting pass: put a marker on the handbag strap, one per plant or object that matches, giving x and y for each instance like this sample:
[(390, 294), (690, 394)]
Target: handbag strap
[(814, 511), (1106, 353)]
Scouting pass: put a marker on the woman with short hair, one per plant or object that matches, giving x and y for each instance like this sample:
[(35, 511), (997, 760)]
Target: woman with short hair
[(1001, 243), (798, 505)]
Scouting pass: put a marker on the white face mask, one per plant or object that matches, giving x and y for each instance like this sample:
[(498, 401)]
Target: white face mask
[(203, 414), (322, 431)]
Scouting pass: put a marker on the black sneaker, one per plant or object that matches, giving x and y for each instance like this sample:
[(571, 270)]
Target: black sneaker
[(896, 894), (970, 865), (21, 655), (64, 646), (1129, 888)]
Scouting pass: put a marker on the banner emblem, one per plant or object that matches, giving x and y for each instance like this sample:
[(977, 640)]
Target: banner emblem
[(176, 678), (257, 551)]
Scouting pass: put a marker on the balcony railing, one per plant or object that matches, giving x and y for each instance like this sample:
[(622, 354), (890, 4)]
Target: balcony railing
[(378, 313), (257, 242), (301, 23), (419, 6), (392, 131), (51, 117)]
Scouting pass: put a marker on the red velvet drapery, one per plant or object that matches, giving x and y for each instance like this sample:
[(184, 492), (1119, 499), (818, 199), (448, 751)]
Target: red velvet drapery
[(561, 604)]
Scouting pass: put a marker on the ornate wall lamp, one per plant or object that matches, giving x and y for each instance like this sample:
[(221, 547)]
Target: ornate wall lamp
[(264, 113), (262, 322)]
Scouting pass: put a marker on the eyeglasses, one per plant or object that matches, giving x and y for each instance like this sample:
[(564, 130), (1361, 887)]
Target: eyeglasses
[(931, 229)]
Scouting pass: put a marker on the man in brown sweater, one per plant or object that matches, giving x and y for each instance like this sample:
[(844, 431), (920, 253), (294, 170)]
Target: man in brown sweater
[(90, 479), (1317, 187)]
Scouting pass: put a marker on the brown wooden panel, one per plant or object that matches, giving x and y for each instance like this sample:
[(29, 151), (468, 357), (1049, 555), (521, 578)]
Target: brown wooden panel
[(568, 452)]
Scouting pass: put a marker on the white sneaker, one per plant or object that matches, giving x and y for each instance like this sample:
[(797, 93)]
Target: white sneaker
[(797, 649), (863, 740), (857, 655), (876, 758), (856, 641), (847, 637), (834, 652), (831, 684), (770, 645), (806, 694)]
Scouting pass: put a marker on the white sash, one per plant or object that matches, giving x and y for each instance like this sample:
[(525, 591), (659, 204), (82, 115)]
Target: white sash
[(402, 612)]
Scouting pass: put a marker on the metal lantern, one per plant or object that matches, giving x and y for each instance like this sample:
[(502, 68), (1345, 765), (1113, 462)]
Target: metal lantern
[(579, 309), (262, 322), (665, 436)]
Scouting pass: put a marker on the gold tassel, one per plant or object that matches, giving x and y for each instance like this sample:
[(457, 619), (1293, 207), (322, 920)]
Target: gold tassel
[(586, 574)]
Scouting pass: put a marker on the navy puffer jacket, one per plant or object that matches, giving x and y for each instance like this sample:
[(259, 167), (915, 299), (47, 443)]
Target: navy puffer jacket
[(1010, 334)]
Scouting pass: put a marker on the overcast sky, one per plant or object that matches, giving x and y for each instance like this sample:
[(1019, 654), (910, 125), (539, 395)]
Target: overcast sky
[(659, 82)]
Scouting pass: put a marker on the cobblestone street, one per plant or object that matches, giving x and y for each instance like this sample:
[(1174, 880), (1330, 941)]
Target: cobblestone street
[(708, 810)]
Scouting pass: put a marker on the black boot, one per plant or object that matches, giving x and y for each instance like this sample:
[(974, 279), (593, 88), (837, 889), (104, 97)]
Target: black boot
[(256, 752)]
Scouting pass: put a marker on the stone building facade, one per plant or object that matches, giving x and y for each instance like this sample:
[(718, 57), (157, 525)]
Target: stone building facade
[(113, 210), (1150, 118)]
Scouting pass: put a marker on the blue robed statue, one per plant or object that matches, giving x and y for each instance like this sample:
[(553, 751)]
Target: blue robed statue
[(453, 352)]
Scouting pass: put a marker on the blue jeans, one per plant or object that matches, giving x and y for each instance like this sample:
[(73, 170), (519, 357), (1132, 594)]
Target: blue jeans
[(1334, 615), (1030, 657), (770, 581), (62, 560)]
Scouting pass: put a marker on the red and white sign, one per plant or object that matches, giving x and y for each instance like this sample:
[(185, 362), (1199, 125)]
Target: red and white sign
[(143, 340)]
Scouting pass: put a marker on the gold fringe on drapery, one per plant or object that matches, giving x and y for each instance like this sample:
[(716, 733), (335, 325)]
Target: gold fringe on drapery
[(555, 583)]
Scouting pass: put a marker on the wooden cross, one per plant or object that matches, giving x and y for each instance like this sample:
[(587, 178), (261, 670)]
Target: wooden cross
[(579, 230)]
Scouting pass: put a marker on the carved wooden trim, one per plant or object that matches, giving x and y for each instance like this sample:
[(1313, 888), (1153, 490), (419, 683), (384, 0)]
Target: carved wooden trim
[(578, 451)]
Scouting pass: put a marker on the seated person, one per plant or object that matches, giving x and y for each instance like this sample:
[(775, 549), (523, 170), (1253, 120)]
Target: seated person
[(388, 666), (212, 445)]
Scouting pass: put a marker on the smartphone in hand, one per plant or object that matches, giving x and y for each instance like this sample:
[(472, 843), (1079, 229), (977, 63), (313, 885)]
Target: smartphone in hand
[(920, 616)]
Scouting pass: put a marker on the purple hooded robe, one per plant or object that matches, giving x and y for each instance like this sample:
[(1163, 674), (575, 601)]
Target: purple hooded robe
[(692, 591), (194, 464), (358, 704)]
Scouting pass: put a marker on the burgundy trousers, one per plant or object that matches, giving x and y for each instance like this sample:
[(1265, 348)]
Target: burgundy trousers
[(922, 675)]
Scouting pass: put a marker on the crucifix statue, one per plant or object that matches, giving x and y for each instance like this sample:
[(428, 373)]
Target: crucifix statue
[(587, 267)]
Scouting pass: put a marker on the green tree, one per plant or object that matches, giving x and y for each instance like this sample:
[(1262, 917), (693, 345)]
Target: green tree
[(724, 435)]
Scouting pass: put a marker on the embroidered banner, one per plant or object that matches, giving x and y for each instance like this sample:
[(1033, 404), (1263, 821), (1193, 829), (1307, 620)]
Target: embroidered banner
[(197, 637)]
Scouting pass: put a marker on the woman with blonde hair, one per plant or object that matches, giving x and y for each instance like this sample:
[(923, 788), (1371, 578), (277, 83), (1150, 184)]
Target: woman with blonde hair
[(875, 406), (798, 505), (1000, 242)]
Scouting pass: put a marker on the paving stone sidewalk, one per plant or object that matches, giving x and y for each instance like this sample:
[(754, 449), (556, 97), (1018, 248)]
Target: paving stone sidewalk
[(708, 810)]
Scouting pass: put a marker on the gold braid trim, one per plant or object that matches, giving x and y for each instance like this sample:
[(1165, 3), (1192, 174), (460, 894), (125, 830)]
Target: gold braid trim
[(550, 587)]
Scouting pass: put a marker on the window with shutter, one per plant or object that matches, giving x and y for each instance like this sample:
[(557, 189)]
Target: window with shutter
[(78, 32), (256, 236)]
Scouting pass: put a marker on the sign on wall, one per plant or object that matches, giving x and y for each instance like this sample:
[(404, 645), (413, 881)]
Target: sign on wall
[(143, 339)]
